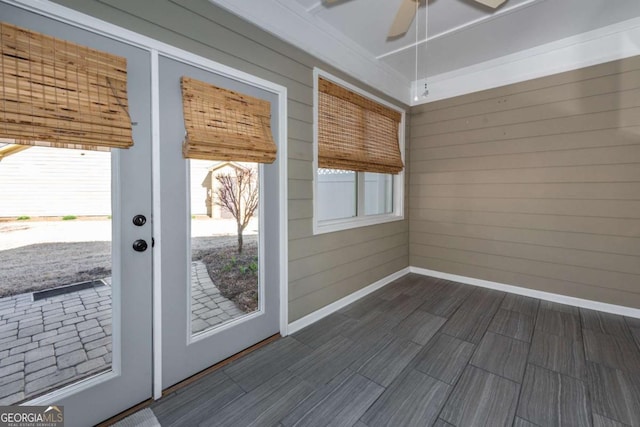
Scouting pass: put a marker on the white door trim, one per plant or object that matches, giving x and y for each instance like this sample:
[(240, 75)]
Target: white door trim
[(156, 222), (114, 32)]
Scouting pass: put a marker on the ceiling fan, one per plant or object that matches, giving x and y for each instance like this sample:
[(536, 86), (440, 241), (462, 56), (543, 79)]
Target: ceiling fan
[(407, 12)]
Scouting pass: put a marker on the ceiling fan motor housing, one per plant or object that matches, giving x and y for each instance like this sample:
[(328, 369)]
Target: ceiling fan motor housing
[(491, 3)]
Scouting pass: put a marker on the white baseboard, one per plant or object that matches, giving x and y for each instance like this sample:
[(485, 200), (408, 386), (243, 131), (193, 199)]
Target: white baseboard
[(547, 296), (335, 306)]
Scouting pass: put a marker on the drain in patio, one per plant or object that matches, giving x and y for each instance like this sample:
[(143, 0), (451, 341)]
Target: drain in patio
[(37, 296)]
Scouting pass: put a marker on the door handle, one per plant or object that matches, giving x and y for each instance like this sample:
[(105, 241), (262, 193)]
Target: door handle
[(140, 245), (139, 220)]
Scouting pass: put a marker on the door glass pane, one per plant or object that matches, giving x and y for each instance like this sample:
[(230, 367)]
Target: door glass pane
[(336, 198), (224, 242), (378, 190), (55, 280)]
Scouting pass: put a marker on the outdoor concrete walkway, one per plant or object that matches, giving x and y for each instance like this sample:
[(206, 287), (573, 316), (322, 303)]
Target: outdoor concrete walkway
[(54, 341), (16, 234)]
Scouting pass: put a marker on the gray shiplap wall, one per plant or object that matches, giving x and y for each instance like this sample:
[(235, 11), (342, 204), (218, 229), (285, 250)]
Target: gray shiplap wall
[(535, 184), (322, 268)]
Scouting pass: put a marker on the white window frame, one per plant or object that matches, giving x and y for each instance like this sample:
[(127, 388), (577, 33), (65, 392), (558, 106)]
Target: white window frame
[(361, 220)]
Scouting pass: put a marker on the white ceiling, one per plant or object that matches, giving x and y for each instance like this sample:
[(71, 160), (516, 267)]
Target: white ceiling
[(462, 33)]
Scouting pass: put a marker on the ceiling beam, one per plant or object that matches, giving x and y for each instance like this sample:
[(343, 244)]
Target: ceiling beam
[(315, 7), (502, 11)]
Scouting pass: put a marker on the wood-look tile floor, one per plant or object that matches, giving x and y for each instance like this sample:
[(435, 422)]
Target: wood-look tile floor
[(423, 352)]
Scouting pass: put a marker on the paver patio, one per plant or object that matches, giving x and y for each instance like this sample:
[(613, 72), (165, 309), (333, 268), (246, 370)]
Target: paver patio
[(208, 306), (48, 343)]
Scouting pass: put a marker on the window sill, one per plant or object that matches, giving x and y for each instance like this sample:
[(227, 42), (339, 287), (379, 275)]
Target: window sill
[(330, 226)]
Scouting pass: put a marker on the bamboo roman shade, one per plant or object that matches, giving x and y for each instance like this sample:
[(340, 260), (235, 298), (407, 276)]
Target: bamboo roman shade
[(56, 93), (225, 125), (356, 133)]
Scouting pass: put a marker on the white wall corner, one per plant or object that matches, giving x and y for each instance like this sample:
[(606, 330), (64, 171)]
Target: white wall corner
[(547, 296), (290, 22), (343, 302), (610, 43)]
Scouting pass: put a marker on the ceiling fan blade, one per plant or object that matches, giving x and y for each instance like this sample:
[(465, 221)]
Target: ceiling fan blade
[(403, 19), (491, 3)]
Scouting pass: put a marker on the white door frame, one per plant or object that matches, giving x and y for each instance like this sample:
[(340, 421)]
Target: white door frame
[(112, 31)]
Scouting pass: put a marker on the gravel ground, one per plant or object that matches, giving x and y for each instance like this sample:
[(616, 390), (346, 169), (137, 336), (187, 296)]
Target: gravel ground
[(48, 265)]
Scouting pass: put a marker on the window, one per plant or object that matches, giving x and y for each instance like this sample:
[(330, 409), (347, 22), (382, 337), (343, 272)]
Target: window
[(358, 157)]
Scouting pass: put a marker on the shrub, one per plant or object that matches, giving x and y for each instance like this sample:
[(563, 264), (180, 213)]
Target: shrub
[(23, 218), (251, 268), (69, 217)]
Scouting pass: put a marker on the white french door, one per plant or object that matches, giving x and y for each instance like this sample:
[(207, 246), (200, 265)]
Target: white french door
[(157, 317), (206, 315), (95, 354)]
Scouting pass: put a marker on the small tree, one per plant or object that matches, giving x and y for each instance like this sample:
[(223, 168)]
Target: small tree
[(238, 193)]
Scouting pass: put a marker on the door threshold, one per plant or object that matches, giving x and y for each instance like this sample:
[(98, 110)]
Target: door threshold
[(124, 414), (219, 365), (142, 405)]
